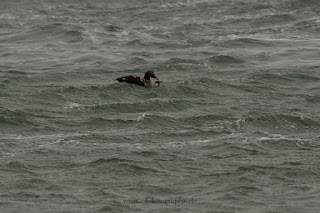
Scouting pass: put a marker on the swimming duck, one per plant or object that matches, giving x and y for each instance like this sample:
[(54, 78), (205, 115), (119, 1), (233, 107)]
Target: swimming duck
[(145, 81)]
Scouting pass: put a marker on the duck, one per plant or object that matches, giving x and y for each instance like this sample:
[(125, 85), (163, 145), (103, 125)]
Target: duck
[(145, 81)]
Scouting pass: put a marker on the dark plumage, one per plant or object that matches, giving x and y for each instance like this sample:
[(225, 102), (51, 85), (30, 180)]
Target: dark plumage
[(145, 81)]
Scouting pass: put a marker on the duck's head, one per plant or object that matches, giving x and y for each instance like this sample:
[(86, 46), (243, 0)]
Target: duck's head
[(149, 74)]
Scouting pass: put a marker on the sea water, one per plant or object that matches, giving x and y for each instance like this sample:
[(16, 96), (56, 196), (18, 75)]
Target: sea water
[(234, 127)]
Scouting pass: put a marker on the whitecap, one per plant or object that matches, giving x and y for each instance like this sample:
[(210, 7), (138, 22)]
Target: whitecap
[(160, 100), (73, 105), (200, 141), (140, 118)]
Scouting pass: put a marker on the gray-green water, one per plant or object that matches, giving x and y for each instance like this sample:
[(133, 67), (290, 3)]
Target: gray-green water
[(234, 126)]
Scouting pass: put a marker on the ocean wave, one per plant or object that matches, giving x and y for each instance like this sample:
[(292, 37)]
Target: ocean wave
[(49, 33), (272, 18), (277, 80), (103, 161), (224, 59), (313, 98), (137, 61), (15, 73), (303, 77), (129, 107), (19, 168), (257, 169), (17, 118), (247, 42), (184, 4), (123, 166), (182, 61), (292, 122), (238, 108), (279, 142)]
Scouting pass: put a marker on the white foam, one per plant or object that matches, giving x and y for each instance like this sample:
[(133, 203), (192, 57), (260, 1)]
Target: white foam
[(200, 141), (7, 16), (161, 100), (278, 137), (73, 105), (140, 118), (7, 154)]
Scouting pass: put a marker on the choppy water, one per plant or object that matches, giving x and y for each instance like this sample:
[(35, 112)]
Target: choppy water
[(235, 125)]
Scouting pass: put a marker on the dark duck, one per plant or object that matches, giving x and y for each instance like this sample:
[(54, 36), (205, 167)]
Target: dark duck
[(145, 81)]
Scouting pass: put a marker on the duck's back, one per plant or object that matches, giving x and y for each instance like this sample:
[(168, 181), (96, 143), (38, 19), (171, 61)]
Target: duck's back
[(132, 80)]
